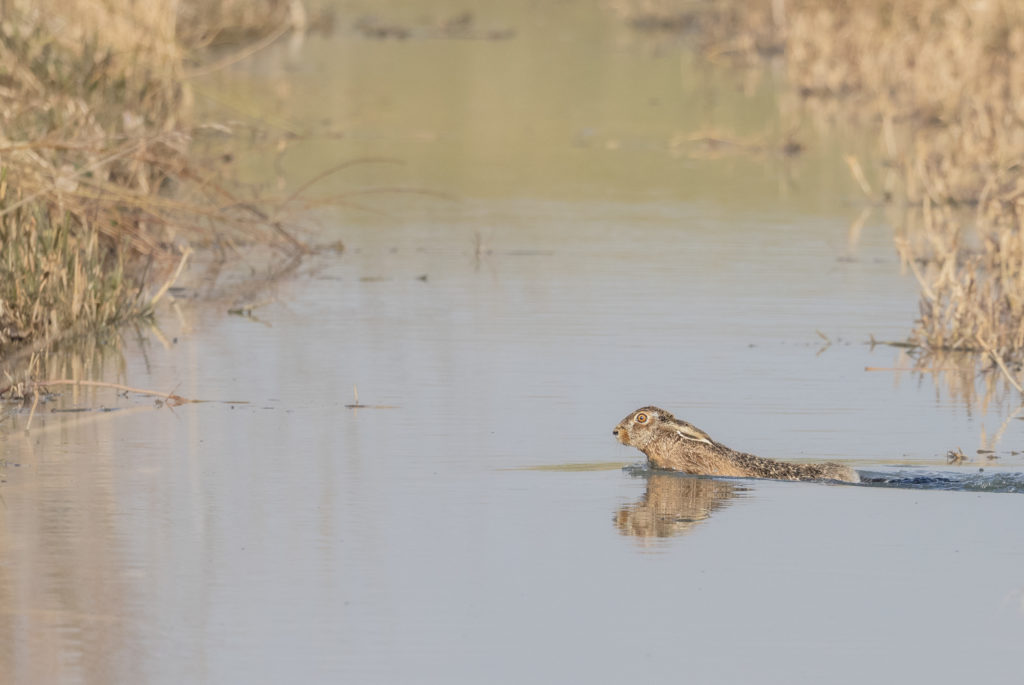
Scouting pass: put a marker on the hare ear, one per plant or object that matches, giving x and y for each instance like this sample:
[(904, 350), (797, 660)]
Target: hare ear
[(688, 432)]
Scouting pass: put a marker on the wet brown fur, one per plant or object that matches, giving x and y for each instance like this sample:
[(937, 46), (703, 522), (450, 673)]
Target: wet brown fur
[(676, 445)]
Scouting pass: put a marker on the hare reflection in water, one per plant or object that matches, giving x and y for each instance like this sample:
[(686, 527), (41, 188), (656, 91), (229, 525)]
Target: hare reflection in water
[(674, 505)]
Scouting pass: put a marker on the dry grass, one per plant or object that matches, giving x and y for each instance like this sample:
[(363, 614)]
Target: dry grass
[(99, 194), (943, 83)]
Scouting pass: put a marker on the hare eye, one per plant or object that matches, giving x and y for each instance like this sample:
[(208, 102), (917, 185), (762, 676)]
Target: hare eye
[(641, 418)]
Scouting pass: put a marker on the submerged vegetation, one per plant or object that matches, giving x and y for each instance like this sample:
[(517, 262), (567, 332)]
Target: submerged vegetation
[(943, 83), (100, 195)]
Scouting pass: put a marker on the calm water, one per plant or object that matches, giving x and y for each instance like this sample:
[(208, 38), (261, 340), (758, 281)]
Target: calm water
[(578, 265)]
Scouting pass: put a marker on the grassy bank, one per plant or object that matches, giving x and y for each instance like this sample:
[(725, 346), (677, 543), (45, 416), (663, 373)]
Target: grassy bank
[(100, 196), (942, 81)]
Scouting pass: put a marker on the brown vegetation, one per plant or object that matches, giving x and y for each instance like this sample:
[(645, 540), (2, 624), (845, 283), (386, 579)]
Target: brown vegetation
[(99, 193), (943, 82)]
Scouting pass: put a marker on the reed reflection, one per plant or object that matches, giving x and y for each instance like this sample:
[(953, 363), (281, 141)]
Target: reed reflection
[(675, 504)]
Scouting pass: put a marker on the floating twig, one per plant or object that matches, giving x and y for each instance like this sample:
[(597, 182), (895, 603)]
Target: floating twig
[(247, 309), (359, 405), (893, 343), (956, 456), (170, 398)]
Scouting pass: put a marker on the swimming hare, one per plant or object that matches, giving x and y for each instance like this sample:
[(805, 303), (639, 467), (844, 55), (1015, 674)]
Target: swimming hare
[(676, 445)]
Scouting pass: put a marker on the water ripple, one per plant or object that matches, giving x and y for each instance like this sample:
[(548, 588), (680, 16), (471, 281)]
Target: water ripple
[(912, 479), (979, 481)]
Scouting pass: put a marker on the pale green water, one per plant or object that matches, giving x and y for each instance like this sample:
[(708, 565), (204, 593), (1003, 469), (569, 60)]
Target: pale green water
[(580, 269)]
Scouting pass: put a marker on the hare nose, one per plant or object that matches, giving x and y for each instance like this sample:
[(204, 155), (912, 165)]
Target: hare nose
[(615, 432)]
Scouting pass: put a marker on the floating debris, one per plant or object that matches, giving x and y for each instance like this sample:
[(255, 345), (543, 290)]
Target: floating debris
[(359, 405)]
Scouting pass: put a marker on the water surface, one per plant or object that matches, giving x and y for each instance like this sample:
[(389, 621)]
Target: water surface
[(572, 266)]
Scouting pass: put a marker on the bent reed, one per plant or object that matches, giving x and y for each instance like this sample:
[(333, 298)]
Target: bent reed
[(100, 194), (942, 81)]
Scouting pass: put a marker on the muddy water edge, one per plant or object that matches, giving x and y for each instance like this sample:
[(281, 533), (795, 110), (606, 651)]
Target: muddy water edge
[(556, 222)]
